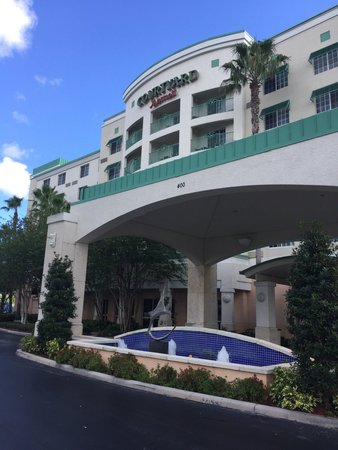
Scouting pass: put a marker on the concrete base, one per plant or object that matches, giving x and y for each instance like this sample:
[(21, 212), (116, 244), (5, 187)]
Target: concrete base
[(268, 334)]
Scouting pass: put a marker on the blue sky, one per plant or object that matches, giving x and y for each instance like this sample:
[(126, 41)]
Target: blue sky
[(64, 65)]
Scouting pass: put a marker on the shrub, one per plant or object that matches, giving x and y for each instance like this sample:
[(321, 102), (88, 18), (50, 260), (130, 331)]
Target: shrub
[(66, 355), (220, 387), (127, 366), (101, 327), (59, 304), (7, 317), (164, 376), (53, 347), (30, 344), (17, 326), (196, 380), (249, 390), (88, 359), (285, 391)]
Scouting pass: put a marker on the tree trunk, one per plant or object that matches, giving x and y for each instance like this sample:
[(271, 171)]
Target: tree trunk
[(255, 102)]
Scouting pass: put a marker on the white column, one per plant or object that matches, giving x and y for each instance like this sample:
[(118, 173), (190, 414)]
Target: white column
[(266, 312), (202, 296), (227, 308), (61, 240)]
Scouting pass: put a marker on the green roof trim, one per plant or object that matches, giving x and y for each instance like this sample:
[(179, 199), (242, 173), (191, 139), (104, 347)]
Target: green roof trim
[(323, 50), (111, 166), (59, 163), (273, 108), (293, 133), (324, 90), (50, 165), (118, 138)]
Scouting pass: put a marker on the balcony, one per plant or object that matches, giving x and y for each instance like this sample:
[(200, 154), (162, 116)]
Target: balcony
[(164, 152), (133, 138), (213, 106), (132, 166), (167, 120), (211, 140)]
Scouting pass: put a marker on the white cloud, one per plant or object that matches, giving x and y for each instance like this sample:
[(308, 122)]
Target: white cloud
[(19, 117), (21, 97), (40, 79), (13, 151), (17, 18), (51, 81), (55, 81), (14, 178)]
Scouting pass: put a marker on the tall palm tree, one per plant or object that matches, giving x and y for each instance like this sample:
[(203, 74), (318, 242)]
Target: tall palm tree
[(47, 201), (252, 65), (13, 203)]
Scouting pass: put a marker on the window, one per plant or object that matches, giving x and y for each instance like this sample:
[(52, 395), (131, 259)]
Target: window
[(114, 171), (327, 101), (278, 81), (276, 115), (216, 138), (277, 118), (84, 170), (325, 36), (61, 178), (116, 130), (325, 59), (115, 145), (46, 182), (81, 191), (215, 63)]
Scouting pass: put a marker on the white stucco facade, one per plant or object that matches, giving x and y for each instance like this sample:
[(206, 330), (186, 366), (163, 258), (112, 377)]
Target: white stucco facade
[(177, 109)]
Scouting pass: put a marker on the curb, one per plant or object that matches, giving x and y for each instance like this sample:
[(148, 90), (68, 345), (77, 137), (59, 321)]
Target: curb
[(18, 333), (246, 407)]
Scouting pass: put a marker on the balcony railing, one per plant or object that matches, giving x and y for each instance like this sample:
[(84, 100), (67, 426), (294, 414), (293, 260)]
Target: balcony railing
[(213, 106), (134, 137), (164, 152), (168, 120), (211, 140), (132, 166)]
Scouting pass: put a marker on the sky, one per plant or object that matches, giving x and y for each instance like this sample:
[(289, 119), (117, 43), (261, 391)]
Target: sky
[(64, 65)]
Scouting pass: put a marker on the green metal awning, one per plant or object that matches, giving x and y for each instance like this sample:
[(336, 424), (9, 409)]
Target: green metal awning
[(323, 50), (273, 108), (112, 166), (324, 90), (111, 141), (283, 68)]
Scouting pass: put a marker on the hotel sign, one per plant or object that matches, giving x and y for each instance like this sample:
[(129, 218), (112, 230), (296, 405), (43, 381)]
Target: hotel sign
[(167, 90)]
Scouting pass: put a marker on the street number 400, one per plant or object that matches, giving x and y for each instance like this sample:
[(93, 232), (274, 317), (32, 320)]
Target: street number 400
[(181, 185)]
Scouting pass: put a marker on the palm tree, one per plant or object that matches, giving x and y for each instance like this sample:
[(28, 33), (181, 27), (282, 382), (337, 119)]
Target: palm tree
[(13, 203), (47, 201), (252, 65)]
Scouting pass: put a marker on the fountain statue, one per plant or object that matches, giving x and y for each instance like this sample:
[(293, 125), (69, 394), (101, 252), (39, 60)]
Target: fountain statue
[(161, 311)]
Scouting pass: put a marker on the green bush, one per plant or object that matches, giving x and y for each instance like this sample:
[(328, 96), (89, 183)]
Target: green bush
[(32, 318), (249, 390), (164, 376), (127, 366), (53, 348), (101, 328), (30, 344), (17, 326), (7, 317), (220, 387), (196, 380), (285, 391), (88, 359), (66, 355)]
